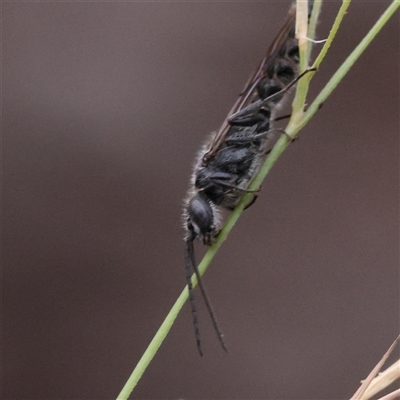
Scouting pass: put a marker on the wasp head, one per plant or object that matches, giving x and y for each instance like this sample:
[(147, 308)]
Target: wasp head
[(201, 220)]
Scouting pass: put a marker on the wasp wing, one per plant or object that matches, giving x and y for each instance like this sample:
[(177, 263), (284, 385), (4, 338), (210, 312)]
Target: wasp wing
[(249, 92)]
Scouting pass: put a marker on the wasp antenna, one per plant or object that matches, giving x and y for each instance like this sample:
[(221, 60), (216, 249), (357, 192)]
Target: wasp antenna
[(188, 251), (207, 301)]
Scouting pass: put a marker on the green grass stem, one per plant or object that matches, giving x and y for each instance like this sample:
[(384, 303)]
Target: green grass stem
[(294, 126)]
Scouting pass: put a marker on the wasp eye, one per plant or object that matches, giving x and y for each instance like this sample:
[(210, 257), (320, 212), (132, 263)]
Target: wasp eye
[(201, 214)]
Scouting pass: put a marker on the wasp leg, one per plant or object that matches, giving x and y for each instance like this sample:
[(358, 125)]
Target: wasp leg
[(248, 137), (228, 185), (288, 87), (253, 109), (261, 135), (289, 115), (282, 117), (252, 201), (264, 134), (253, 114)]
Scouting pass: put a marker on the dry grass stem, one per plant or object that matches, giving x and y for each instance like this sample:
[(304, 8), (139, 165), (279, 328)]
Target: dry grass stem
[(391, 396), (383, 380), (361, 393)]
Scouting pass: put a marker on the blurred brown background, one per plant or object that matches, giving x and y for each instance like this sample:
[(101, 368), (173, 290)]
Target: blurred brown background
[(104, 108)]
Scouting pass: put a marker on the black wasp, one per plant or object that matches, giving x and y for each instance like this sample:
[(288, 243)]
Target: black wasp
[(229, 160)]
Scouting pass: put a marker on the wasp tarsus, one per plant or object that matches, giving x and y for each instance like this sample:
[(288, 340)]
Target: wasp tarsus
[(229, 160)]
